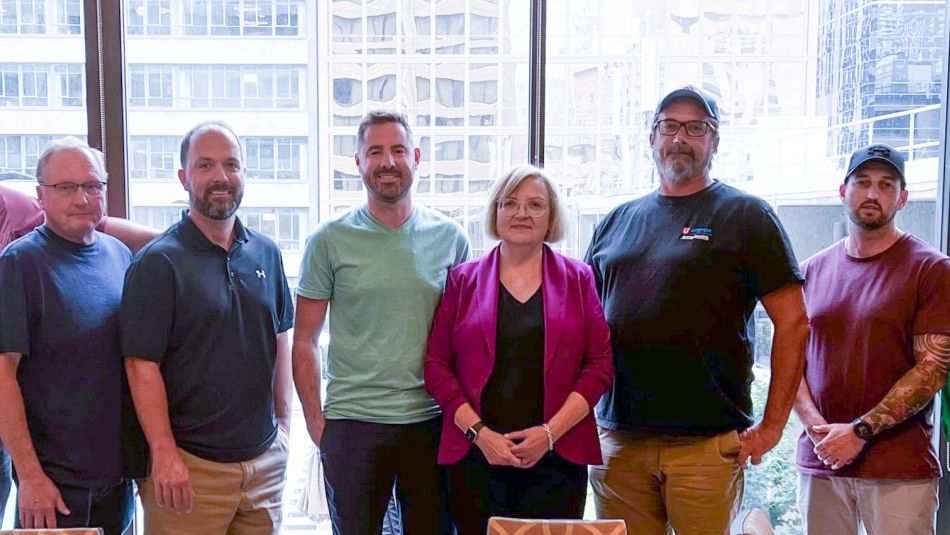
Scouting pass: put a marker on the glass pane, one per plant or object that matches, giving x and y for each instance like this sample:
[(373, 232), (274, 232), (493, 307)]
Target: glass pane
[(42, 98), (299, 141), (791, 116), (248, 63)]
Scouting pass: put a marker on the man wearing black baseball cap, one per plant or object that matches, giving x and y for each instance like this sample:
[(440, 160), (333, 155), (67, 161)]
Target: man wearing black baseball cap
[(879, 351), (680, 272)]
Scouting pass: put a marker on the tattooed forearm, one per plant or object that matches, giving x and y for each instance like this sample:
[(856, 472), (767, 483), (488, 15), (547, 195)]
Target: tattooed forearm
[(917, 387)]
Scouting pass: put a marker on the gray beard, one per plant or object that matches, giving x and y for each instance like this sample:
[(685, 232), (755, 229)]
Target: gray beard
[(678, 171)]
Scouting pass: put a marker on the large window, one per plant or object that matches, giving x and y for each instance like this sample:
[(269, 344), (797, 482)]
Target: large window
[(801, 83), (791, 115)]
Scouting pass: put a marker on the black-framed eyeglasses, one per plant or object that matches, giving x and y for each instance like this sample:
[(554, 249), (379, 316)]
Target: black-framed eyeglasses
[(532, 207), (669, 127), (92, 189)]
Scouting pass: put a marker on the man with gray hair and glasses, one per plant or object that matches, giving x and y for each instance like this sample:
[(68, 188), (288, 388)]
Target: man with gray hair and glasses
[(680, 272), (65, 411)]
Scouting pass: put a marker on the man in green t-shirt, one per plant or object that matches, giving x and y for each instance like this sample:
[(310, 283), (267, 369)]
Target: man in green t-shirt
[(379, 270)]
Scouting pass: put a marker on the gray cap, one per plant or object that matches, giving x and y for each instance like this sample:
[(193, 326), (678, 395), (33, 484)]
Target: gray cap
[(695, 93), (877, 152)]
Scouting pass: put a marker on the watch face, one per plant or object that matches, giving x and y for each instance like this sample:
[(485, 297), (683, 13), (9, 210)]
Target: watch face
[(470, 434), (862, 430)]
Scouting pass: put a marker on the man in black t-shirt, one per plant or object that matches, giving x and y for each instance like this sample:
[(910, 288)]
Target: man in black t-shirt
[(680, 272)]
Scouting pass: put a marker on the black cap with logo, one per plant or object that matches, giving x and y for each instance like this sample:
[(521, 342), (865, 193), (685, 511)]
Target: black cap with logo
[(878, 152)]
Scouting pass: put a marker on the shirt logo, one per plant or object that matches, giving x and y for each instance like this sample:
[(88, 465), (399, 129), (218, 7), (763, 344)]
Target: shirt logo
[(696, 233), (261, 274)]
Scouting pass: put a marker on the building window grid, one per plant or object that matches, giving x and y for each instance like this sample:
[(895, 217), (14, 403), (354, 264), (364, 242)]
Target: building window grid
[(215, 86), (286, 226), (383, 32), (456, 92), (52, 85), (215, 17), (269, 158), (69, 17), (153, 157), (19, 153)]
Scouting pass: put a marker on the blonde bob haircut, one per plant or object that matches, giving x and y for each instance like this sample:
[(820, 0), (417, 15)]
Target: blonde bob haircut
[(507, 184)]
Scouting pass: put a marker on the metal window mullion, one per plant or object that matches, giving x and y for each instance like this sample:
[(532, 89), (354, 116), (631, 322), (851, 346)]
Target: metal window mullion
[(105, 94), (537, 67)]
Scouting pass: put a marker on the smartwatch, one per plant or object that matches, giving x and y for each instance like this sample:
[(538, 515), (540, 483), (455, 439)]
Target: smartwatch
[(862, 429), (472, 432)]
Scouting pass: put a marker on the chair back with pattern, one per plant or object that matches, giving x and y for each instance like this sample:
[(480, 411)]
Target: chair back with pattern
[(517, 526)]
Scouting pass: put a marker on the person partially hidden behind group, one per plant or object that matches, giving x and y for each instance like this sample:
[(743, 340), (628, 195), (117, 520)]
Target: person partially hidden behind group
[(518, 354)]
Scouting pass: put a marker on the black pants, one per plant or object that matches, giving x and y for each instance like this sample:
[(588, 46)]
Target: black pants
[(366, 463), (553, 488), (109, 507)]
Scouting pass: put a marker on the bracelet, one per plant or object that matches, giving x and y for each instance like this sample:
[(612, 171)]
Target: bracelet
[(547, 430)]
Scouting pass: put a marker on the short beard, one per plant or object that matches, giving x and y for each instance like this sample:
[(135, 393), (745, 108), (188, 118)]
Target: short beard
[(876, 224), (213, 211)]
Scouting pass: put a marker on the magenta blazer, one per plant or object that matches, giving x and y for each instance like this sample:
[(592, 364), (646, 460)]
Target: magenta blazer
[(577, 354)]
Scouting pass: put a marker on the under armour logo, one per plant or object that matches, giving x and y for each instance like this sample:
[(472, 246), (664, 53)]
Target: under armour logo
[(261, 274)]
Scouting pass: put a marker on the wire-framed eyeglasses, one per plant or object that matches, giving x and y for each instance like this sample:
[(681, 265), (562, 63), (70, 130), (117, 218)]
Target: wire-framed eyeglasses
[(94, 188), (532, 207)]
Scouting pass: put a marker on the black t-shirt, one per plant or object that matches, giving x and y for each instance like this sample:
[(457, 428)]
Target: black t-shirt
[(680, 278), (210, 318), (513, 398)]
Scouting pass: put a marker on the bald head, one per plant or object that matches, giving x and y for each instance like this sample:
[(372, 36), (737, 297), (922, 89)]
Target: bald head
[(70, 143), (202, 127)]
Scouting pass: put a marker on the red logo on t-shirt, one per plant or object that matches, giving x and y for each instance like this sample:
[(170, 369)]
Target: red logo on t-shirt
[(686, 230)]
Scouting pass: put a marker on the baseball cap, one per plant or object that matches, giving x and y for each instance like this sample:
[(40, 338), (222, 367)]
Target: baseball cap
[(877, 152), (695, 93)]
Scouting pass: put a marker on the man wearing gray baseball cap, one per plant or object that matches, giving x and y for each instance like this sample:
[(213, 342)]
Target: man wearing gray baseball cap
[(879, 351), (679, 272)]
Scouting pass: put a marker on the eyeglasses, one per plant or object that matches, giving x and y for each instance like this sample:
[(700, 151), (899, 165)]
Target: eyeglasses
[(669, 127), (67, 189), (532, 207)]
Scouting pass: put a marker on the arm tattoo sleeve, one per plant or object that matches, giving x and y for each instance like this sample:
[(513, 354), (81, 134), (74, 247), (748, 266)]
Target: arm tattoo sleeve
[(917, 387)]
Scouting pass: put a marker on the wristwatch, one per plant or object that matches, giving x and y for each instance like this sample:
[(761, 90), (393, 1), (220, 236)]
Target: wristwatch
[(472, 432), (862, 429)]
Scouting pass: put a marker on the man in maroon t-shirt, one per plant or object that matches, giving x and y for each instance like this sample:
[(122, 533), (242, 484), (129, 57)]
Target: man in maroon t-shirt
[(879, 350), (19, 214)]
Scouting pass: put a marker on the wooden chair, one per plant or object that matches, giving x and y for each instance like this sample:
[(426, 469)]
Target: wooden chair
[(517, 526)]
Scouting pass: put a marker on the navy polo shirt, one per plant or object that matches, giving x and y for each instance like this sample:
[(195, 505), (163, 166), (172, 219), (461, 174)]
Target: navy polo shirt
[(210, 318)]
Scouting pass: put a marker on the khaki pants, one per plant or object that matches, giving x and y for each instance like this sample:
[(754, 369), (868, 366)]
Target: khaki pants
[(229, 498), (660, 482), (884, 506)]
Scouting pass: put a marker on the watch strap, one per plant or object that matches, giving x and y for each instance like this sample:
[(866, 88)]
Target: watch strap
[(472, 432)]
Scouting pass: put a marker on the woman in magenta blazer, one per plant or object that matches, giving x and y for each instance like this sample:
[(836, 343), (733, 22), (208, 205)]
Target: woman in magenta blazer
[(518, 355)]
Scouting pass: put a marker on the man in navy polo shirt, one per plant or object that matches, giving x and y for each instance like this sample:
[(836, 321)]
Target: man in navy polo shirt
[(62, 387), (204, 319)]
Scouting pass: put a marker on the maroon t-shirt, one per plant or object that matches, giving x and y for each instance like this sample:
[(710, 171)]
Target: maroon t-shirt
[(864, 314), (19, 214)]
